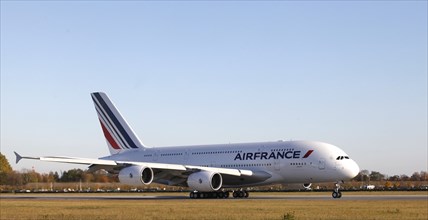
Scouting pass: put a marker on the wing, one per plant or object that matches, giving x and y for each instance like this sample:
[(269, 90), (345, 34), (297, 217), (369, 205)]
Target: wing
[(112, 166)]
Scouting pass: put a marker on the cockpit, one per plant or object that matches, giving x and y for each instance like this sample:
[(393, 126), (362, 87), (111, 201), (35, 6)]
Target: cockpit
[(342, 158)]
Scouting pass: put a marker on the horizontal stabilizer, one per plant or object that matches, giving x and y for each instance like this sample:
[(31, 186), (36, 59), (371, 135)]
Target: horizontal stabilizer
[(18, 157)]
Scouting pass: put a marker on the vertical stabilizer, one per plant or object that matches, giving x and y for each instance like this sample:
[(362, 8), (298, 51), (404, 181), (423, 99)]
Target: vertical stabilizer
[(119, 135)]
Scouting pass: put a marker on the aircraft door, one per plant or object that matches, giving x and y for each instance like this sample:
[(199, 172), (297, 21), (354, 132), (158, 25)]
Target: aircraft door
[(321, 164), (186, 155), (277, 164), (156, 155)]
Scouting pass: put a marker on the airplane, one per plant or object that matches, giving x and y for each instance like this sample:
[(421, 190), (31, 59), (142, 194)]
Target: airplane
[(211, 171)]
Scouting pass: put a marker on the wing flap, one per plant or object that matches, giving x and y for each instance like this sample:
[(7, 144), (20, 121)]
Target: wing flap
[(75, 160), (233, 172), (166, 166)]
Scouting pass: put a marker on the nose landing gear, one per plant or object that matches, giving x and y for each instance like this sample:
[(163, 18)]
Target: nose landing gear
[(336, 193)]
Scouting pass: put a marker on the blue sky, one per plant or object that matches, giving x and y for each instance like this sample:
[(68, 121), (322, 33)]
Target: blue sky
[(353, 74)]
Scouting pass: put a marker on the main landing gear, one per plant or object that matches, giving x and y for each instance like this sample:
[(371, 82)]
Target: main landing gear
[(219, 195), (336, 193), (241, 194)]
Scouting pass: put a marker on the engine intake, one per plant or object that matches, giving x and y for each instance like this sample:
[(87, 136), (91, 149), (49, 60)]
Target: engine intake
[(136, 175), (205, 181)]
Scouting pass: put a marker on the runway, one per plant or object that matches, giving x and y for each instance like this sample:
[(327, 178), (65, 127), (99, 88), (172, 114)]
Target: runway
[(256, 197)]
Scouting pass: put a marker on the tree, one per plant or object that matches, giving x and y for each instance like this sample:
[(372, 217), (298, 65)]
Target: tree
[(56, 176), (5, 169), (376, 176), (87, 177), (404, 177), (424, 176), (415, 176), (74, 175), (394, 178)]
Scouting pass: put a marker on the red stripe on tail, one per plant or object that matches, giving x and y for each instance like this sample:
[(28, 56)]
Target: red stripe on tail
[(109, 137)]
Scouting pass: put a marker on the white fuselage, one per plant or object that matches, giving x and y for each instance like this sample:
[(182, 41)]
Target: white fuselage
[(284, 161)]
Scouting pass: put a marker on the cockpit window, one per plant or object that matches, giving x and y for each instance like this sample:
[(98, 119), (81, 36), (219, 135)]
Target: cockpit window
[(342, 157)]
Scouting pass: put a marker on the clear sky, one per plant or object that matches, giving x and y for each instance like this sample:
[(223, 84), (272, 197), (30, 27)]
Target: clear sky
[(353, 74)]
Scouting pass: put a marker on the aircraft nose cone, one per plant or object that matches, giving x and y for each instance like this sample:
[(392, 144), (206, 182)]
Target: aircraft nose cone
[(352, 170)]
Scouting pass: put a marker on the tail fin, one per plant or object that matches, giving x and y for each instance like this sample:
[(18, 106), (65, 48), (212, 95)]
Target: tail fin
[(118, 133)]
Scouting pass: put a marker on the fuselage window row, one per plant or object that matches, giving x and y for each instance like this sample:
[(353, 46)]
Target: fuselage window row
[(217, 152), (283, 149), (172, 154), (297, 164)]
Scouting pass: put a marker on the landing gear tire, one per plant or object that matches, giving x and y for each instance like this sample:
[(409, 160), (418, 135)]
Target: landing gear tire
[(240, 194), (235, 194), (209, 195), (220, 195), (336, 193), (226, 195)]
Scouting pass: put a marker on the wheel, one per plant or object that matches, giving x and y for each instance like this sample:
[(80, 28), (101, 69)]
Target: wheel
[(220, 195), (246, 194), (335, 195), (235, 194), (241, 194), (339, 194), (226, 195), (192, 195)]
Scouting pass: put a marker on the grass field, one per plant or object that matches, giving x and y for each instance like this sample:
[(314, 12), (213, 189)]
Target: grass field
[(213, 209)]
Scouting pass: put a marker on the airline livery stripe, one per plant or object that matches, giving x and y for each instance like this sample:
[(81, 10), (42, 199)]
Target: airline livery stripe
[(308, 153), (109, 125), (108, 136), (115, 120)]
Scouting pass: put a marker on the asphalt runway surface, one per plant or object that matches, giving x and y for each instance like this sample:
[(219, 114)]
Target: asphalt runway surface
[(256, 197)]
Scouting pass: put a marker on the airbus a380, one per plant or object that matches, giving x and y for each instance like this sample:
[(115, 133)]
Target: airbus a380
[(210, 171)]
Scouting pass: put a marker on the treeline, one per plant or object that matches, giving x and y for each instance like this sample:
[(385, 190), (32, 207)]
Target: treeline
[(19, 178), (15, 178), (366, 175)]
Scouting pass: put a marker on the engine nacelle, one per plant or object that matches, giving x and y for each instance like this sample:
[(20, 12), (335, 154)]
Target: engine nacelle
[(205, 181), (136, 175), (307, 185)]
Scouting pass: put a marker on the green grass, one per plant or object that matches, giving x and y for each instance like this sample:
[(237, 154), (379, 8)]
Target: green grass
[(212, 209)]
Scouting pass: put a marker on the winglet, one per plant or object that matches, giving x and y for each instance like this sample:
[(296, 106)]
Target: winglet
[(18, 157)]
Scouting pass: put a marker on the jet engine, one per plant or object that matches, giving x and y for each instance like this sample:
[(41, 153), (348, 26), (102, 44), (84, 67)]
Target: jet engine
[(205, 181), (136, 175), (307, 186)]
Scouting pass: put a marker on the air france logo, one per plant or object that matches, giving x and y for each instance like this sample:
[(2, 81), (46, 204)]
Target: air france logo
[(272, 155)]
